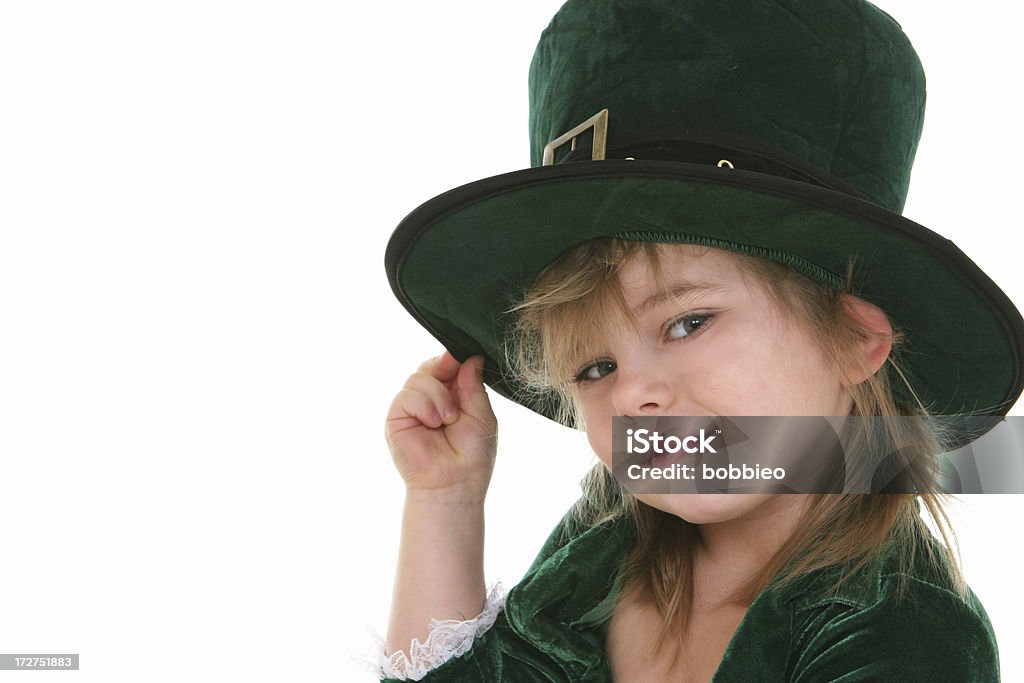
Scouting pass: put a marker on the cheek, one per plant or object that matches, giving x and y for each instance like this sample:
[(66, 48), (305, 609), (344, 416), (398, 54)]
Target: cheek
[(814, 387), (597, 414), (782, 371), (736, 379), (599, 434)]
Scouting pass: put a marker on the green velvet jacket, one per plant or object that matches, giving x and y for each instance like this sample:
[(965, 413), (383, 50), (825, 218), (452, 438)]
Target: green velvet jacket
[(554, 623)]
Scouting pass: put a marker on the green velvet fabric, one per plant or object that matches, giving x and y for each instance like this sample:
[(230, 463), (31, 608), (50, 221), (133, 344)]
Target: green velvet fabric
[(801, 634), (833, 82)]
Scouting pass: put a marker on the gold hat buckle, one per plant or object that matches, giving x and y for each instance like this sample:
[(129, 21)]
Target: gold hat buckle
[(599, 122)]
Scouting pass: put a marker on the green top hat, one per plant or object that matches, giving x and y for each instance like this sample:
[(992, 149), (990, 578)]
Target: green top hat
[(781, 130)]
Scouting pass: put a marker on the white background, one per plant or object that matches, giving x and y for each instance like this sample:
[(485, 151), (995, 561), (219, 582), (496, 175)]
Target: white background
[(197, 339)]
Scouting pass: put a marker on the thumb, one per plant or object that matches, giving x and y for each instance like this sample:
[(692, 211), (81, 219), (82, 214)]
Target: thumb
[(470, 386)]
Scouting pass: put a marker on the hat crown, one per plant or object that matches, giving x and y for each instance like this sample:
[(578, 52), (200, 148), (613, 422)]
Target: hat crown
[(833, 83)]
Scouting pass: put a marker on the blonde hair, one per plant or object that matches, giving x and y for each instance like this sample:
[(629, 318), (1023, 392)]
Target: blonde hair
[(560, 319)]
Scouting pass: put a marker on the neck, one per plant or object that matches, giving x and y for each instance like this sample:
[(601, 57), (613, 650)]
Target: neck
[(730, 553)]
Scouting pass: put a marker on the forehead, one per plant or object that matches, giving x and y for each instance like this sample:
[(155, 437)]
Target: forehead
[(678, 268)]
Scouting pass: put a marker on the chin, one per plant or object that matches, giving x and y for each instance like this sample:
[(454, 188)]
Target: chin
[(706, 508)]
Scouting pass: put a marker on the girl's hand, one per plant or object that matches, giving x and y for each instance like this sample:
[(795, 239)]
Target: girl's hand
[(441, 430)]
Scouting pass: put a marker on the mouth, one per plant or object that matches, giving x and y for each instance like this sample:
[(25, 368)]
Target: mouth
[(665, 460)]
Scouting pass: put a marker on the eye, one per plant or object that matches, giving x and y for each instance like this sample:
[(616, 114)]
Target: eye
[(687, 325), (595, 371)]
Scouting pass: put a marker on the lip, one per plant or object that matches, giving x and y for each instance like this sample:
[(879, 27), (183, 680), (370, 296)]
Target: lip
[(663, 460)]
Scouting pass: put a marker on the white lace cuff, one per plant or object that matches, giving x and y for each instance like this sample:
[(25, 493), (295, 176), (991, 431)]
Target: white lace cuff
[(446, 640)]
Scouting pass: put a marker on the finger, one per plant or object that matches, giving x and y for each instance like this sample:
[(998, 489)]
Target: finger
[(443, 367), (469, 386), (438, 393), (410, 403)]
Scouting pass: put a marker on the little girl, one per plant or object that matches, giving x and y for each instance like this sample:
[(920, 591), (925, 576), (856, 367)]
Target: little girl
[(722, 238)]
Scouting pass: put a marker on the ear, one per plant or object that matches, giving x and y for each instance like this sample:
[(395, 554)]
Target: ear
[(874, 340)]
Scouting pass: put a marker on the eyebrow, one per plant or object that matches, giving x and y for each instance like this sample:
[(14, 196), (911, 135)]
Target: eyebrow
[(676, 290)]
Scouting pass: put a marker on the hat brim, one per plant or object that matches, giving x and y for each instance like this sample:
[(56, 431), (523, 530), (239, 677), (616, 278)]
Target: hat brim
[(462, 259)]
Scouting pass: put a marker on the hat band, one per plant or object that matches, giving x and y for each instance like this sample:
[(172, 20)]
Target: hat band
[(704, 147)]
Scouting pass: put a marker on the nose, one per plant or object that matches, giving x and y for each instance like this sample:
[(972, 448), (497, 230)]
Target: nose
[(642, 389)]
